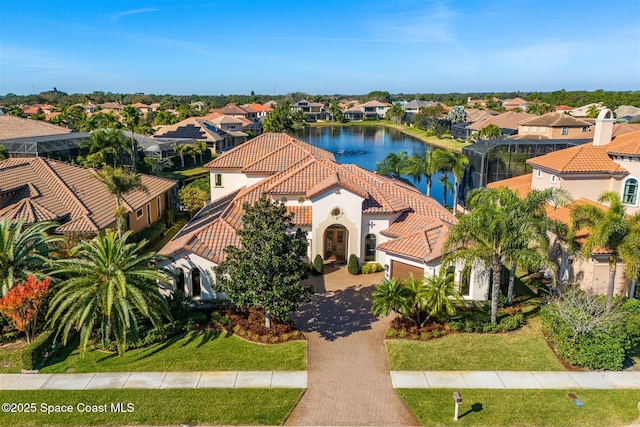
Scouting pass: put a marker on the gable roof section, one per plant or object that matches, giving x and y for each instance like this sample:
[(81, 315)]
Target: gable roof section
[(190, 128), (424, 245), (578, 159), (555, 120), (625, 145), (508, 120), (12, 127), (38, 188)]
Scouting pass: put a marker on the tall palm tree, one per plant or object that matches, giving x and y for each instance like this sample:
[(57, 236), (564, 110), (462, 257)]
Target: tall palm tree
[(613, 232), (396, 112), (490, 131), (492, 234), (418, 166), (199, 148), (24, 251), (458, 173), (394, 164), (181, 150), (105, 283), (131, 118), (444, 161), (119, 183)]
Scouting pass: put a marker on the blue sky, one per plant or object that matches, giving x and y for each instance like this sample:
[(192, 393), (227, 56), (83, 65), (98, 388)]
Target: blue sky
[(318, 47)]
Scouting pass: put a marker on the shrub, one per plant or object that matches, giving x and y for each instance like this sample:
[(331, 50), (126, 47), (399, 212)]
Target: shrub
[(456, 325), (198, 317), (511, 323), (490, 327), (39, 349), (354, 266), (152, 234), (371, 268), (318, 265)]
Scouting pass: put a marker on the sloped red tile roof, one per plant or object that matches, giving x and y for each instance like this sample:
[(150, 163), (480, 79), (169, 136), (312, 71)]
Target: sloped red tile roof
[(231, 109), (59, 190), (206, 133), (581, 158), (508, 120), (625, 145), (302, 215), (558, 119), (520, 184), (12, 127), (424, 245)]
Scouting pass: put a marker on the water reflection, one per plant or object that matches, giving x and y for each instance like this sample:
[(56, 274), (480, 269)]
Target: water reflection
[(366, 146)]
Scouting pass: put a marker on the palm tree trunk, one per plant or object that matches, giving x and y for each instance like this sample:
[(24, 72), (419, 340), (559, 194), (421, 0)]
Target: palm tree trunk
[(612, 281), (428, 177), (133, 152), (455, 197), (512, 280), (496, 268)]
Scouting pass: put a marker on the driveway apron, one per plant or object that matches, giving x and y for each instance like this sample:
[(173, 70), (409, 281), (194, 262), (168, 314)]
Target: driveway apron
[(348, 373)]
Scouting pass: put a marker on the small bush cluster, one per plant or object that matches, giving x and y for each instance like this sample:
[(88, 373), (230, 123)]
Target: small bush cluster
[(586, 335), (318, 265), (249, 323), (39, 349), (371, 268), (152, 234), (354, 265), (507, 324), (403, 328)]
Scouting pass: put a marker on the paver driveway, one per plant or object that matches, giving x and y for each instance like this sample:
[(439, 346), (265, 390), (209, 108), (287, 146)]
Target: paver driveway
[(348, 373)]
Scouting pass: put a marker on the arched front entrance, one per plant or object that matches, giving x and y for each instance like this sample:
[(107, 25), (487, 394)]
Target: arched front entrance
[(335, 243)]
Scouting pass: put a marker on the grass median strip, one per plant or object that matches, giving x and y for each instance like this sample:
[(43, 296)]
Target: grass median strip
[(521, 350), (148, 407), (193, 351), (482, 407)]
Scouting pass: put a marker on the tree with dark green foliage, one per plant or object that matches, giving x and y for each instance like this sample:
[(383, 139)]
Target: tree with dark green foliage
[(396, 113), (4, 154), (266, 270), (490, 131), (131, 119), (353, 266), (394, 164), (279, 120), (192, 198), (318, 264)]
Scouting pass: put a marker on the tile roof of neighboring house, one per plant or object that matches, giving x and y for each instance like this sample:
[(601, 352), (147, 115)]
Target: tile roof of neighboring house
[(557, 119), (12, 127), (305, 173), (508, 120), (191, 128), (563, 108), (417, 104), (257, 150), (581, 158), (38, 188), (375, 103), (307, 104), (515, 102), (627, 144), (473, 114), (225, 119), (520, 184), (424, 245), (257, 108), (231, 110), (111, 106)]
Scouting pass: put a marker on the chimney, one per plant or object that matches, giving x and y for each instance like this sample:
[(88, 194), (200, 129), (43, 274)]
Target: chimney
[(604, 128)]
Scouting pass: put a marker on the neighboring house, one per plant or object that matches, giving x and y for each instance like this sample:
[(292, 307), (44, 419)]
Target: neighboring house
[(515, 103), (553, 126), (412, 108), (111, 106), (354, 113), (312, 110), (586, 171), (461, 130), (375, 109), (44, 108), (508, 122), (584, 110), (200, 129), (144, 109), (258, 110), (232, 109), (627, 113), (39, 189), (343, 209), (34, 138)]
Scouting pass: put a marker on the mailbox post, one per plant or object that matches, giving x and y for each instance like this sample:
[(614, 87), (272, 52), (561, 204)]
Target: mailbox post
[(458, 400)]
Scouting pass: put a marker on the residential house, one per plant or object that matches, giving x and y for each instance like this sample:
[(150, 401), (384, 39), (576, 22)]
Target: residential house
[(586, 171), (232, 109), (144, 109), (515, 104), (34, 138), (461, 131), (44, 108), (39, 189), (312, 110), (258, 110), (354, 113), (553, 126), (375, 109), (508, 122), (584, 110), (200, 129), (343, 209), (111, 106), (627, 113), (413, 107)]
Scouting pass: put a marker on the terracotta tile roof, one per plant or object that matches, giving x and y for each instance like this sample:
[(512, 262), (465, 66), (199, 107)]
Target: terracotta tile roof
[(260, 147), (581, 158), (508, 120), (29, 211), (520, 184), (257, 108), (190, 128), (38, 187), (225, 119), (625, 145), (558, 119), (563, 108), (12, 127), (212, 240), (302, 215), (408, 223), (232, 110), (425, 245)]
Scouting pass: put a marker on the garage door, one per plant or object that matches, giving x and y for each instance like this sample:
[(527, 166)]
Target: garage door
[(401, 271)]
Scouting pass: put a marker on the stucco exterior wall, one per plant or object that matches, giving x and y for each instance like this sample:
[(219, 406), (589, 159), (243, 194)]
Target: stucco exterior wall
[(231, 181), (187, 262), (151, 212)]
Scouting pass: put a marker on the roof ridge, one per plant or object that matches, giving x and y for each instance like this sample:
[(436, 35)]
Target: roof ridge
[(286, 176), (44, 164)]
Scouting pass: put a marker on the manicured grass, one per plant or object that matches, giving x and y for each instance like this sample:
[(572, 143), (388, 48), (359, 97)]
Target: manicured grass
[(156, 407), (183, 174), (448, 144), (11, 356), (521, 350), (194, 351), (434, 407)]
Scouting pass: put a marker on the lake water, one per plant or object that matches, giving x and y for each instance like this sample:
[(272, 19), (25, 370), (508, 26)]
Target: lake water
[(366, 146)]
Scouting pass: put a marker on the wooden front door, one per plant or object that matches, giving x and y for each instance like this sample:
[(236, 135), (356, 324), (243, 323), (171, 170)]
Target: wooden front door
[(335, 243)]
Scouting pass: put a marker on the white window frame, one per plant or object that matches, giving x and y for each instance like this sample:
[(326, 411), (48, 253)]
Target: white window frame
[(538, 173), (554, 178), (624, 188)]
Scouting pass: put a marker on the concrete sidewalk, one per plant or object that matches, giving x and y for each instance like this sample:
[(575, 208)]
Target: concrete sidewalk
[(516, 379), (154, 380)]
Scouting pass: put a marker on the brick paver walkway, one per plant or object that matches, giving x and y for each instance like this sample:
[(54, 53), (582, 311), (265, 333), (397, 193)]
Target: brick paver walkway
[(347, 370)]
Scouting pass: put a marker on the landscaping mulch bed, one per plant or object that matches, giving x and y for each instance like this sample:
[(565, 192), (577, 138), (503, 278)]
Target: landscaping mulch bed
[(249, 323), (406, 329)]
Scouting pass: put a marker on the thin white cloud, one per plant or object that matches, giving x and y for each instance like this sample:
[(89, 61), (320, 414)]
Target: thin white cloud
[(116, 17), (20, 57)]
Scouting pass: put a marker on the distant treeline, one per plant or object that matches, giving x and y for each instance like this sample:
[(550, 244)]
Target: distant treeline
[(60, 99)]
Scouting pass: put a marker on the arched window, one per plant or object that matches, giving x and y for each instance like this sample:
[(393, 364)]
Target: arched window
[(630, 193), (370, 247), (179, 280), (195, 282)]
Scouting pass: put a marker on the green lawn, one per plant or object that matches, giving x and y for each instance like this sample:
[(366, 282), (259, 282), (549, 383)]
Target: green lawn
[(521, 350), (194, 351), (448, 144), (181, 221), (11, 356), (155, 407), (482, 407), (180, 175)]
